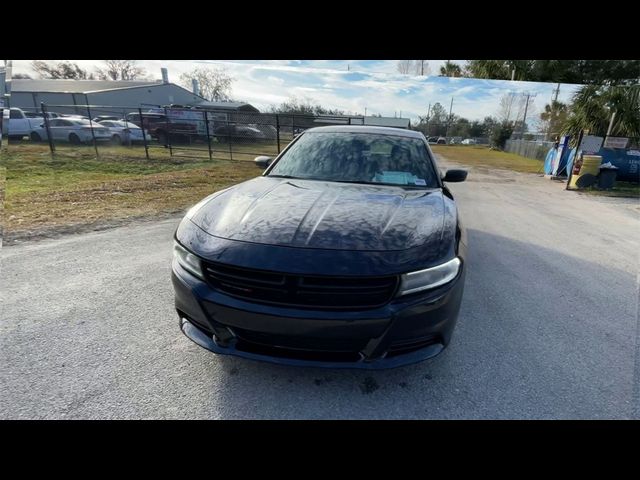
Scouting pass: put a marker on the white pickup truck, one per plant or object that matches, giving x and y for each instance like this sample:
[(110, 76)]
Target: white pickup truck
[(21, 126)]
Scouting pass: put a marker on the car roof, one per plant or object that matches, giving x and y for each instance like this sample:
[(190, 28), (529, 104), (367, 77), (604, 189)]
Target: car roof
[(400, 132)]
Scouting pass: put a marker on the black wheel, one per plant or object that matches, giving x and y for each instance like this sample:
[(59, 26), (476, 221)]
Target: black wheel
[(74, 139), (35, 137), (116, 140)]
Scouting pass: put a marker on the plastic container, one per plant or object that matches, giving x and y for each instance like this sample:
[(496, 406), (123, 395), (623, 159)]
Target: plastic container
[(585, 171), (607, 177)]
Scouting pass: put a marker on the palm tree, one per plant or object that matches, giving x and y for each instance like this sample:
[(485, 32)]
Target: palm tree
[(554, 117), (593, 105), (450, 69)]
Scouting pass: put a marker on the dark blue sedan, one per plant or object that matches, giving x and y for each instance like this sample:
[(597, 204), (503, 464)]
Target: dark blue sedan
[(347, 252)]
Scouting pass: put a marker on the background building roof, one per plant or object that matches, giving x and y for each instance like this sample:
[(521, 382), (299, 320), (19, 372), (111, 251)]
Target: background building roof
[(75, 86)]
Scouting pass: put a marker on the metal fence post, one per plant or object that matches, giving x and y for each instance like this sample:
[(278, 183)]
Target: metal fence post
[(206, 124), (93, 134), (229, 139), (144, 135), (278, 131), (293, 126), (126, 125), (168, 134), (48, 129)]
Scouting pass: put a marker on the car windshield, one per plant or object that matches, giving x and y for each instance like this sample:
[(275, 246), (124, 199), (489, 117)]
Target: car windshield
[(358, 158)]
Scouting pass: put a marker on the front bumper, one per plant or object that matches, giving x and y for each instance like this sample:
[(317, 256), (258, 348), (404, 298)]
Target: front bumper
[(407, 330)]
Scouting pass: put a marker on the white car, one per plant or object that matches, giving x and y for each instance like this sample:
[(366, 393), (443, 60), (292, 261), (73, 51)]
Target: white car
[(468, 141), (77, 130), (20, 125), (124, 132)]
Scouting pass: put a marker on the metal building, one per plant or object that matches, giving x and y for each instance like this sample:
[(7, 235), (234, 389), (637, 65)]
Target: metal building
[(28, 94)]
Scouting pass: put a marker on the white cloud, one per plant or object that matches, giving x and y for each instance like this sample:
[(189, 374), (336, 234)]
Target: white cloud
[(378, 87)]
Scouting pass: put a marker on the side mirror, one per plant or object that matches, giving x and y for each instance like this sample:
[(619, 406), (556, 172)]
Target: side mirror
[(263, 161), (455, 176)]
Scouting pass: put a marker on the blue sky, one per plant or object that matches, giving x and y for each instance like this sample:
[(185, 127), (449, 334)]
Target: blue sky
[(356, 85)]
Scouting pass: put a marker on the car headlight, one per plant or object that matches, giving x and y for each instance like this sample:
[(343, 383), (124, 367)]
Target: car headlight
[(187, 260), (429, 278)]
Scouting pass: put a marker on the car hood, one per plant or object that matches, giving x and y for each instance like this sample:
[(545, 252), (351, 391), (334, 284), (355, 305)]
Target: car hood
[(327, 215)]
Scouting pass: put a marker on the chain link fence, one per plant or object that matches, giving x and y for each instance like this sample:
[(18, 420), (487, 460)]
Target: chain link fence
[(157, 131), (528, 148)]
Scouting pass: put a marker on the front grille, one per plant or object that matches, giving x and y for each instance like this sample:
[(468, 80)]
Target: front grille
[(309, 291), (294, 353), (301, 342)]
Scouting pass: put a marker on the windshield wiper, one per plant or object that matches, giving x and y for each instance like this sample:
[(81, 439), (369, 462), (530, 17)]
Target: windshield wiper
[(286, 176), (363, 182)]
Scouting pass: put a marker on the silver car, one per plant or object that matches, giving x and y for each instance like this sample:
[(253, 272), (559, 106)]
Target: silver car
[(76, 130), (124, 132)]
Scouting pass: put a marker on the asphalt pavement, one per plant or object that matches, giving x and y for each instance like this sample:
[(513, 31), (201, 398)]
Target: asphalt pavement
[(548, 327)]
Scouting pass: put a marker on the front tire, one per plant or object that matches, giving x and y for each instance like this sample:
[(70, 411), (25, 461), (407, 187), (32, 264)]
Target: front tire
[(35, 137), (116, 140), (74, 139)]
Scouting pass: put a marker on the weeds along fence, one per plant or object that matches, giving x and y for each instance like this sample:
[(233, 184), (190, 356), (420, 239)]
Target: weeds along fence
[(160, 131)]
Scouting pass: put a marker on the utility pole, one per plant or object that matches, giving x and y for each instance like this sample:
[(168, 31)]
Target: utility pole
[(613, 116), (555, 95), (526, 107), (428, 115), (446, 134), (422, 68)]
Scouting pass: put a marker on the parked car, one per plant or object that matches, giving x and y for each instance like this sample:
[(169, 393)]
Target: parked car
[(269, 131), (441, 141), (77, 130), (348, 251), (468, 141), (20, 126), (433, 140), (40, 115), (102, 118), (124, 132), (239, 133), (71, 115), (164, 129)]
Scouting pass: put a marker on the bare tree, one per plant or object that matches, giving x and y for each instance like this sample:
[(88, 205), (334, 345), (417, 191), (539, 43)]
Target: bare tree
[(121, 70), (413, 67), (214, 83), (508, 103), (421, 67), (60, 70), (405, 66)]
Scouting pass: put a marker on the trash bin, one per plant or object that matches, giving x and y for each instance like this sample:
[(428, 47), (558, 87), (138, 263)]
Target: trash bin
[(587, 167), (607, 176)]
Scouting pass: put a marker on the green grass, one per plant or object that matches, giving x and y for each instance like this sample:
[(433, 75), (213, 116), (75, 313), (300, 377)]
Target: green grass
[(43, 194), (481, 156), (622, 189)]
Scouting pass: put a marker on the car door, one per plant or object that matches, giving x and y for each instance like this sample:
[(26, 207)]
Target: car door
[(108, 124), (18, 123), (60, 129)]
